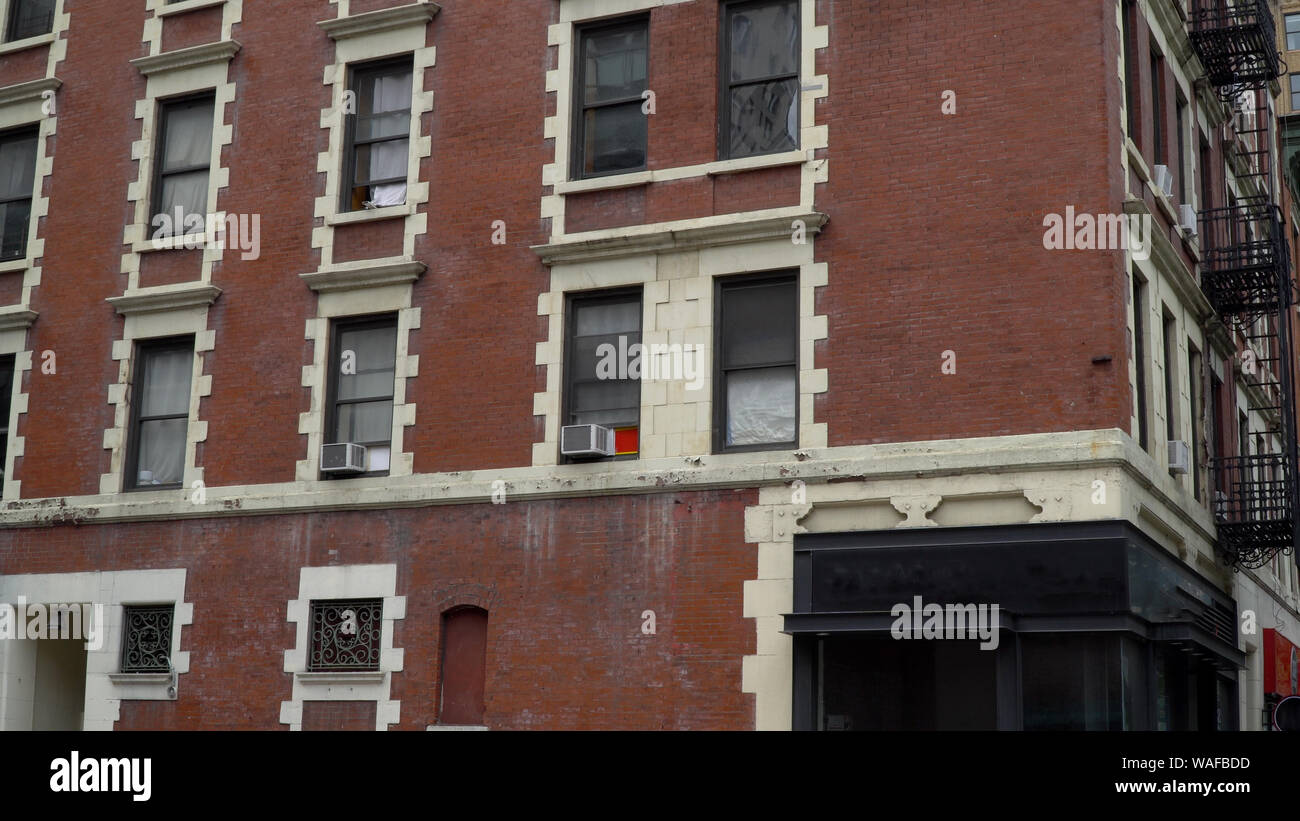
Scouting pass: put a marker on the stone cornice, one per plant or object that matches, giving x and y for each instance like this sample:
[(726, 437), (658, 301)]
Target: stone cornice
[(16, 318), (670, 239), (29, 91), (373, 275), (165, 298), (374, 22), (219, 52)]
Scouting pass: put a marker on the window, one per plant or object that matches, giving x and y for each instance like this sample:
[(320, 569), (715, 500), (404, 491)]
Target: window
[(378, 136), (610, 128), (364, 368), (345, 635), (760, 78), (603, 365), (161, 409), (1293, 32), (17, 181), (6, 397), (1196, 380), (30, 18), (147, 638), (1157, 107), (1140, 357), (1295, 92), (1130, 75), (464, 657), (180, 200), (756, 338), (1180, 108), (1170, 345)]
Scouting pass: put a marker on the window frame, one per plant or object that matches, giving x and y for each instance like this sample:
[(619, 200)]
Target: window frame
[(11, 22), (577, 148), (1286, 30), (160, 158), (737, 281), (608, 295), (314, 605), (8, 363), (355, 72), (726, 9), (131, 478), (127, 610), (23, 132), (333, 360)]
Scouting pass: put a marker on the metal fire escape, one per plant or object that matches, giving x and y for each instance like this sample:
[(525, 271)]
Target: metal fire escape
[(1245, 273)]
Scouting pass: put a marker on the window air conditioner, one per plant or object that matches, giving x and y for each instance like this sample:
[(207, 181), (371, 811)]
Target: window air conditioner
[(1164, 179), (1179, 456), (1187, 218), (586, 440), (343, 457)]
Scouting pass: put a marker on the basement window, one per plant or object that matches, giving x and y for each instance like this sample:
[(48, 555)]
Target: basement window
[(345, 635), (147, 638)]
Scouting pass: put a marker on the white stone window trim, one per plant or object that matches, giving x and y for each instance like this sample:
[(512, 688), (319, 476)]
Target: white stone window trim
[(13, 340), (24, 105), (374, 581), (677, 284), (157, 313), (356, 290), (106, 688), (26, 43), (169, 9), (361, 39), (556, 174)]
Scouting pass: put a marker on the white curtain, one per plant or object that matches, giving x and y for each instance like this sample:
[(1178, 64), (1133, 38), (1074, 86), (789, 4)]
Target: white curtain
[(761, 406), (17, 167), (166, 383)]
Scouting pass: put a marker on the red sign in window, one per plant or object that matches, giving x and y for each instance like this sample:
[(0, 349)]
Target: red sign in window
[(627, 440), (1281, 664)]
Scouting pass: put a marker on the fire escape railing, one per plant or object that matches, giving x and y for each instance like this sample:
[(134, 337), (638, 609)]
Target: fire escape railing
[(1246, 275)]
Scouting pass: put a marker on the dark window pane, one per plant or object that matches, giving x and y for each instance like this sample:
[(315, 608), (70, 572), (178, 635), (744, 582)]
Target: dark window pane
[(619, 417), (595, 393), (385, 91), (6, 395), (611, 394), (599, 357), (761, 406), (764, 41), (161, 458), (759, 325), (384, 125), (1071, 682), (187, 191), (764, 118), (30, 18), (616, 138), (602, 317), (188, 131), (614, 65), (382, 161), (367, 360), (166, 386), (14, 222), (363, 422), (17, 166)]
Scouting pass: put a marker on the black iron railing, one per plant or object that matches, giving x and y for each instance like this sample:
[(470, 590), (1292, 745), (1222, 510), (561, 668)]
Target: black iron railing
[(1235, 41), (1245, 262), (1254, 507)]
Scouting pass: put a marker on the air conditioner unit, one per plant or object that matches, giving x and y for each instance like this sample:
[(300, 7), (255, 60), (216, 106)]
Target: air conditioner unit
[(1179, 456), (586, 440), (1187, 218), (343, 457), (1164, 179)]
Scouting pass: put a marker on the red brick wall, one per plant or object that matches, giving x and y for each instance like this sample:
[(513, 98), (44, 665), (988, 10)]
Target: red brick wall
[(564, 584), (338, 715), (934, 244)]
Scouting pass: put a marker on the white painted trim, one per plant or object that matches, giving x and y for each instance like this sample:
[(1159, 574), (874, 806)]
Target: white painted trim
[(106, 687), (370, 215), (168, 9), (380, 21), (712, 169), (14, 46), (344, 582), (177, 297), (187, 58)]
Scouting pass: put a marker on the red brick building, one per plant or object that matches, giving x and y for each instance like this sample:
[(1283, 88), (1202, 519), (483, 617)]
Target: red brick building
[(426, 230)]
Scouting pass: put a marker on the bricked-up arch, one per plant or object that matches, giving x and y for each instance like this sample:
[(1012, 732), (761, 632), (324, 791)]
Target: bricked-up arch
[(464, 657)]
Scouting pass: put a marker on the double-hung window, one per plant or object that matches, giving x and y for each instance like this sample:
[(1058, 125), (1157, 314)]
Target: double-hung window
[(609, 122), (756, 337), (160, 411), (376, 157), (760, 78), (362, 379), (6, 396), (17, 181), (604, 362), (1292, 32), (180, 202), (29, 18)]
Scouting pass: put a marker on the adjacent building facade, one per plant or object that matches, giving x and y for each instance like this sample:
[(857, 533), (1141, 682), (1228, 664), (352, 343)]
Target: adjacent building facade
[(600, 364)]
